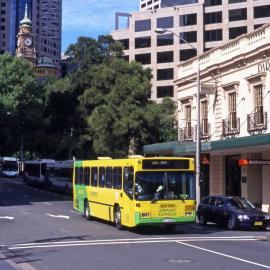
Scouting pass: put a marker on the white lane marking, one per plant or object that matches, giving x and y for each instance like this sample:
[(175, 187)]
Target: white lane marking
[(6, 217), (224, 255), (249, 237), (58, 216), (53, 245), (122, 241), (47, 203)]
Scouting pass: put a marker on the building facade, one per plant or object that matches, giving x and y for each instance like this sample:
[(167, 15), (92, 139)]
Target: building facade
[(206, 25), (46, 17), (235, 130), (155, 4)]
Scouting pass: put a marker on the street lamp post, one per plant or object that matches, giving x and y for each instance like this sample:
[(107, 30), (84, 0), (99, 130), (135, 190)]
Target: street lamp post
[(198, 104)]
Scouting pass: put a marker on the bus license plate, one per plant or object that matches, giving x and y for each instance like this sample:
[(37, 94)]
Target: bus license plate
[(258, 223), (168, 220)]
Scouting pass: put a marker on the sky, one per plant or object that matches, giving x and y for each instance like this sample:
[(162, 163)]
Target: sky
[(91, 18)]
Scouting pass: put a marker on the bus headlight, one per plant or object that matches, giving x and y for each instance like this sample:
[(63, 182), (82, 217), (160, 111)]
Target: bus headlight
[(267, 217)]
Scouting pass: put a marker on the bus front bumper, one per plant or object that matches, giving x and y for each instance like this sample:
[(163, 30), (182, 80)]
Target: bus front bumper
[(139, 220)]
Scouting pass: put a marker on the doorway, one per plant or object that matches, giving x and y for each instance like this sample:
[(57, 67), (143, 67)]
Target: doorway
[(233, 176)]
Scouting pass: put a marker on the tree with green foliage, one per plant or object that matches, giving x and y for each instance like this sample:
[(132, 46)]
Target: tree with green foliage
[(121, 117), (106, 103), (21, 106)]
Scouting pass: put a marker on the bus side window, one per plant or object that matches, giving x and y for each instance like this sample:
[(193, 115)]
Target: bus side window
[(128, 181), (108, 177), (81, 176), (94, 176), (101, 179), (117, 177), (77, 171), (86, 176)]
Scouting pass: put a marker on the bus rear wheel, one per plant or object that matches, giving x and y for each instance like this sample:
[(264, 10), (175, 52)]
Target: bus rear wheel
[(87, 210), (118, 218)]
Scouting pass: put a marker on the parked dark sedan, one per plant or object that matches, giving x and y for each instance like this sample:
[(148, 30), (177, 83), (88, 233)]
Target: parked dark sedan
[(231, 211)]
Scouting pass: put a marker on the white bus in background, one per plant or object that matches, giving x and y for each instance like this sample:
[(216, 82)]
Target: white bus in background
[(60, 176), (35, 171), (9, 167)]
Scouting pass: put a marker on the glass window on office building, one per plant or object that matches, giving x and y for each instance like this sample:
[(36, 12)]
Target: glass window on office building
[(262, 11), (142, 25), (166, 22), (237, 14), (237, 31), (209, 3), (187, 54), (213, 35), (188, 19), (144, 58), (165, 57), (213, 17), (142, 42), (165, 40), (190, 36), (236, 1), (125, 43), (165, 91), (164, 74)]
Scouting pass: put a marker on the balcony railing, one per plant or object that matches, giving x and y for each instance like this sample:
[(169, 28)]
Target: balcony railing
[(186, 133), (256, 122), (231, 126), (205, 130)]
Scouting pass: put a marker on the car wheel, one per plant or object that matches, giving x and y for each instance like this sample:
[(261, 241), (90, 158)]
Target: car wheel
[(231, 223), (202, 220), (87, 210), (118, 218)]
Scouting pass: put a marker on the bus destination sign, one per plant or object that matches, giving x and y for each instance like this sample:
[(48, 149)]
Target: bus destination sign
[(154, 164)]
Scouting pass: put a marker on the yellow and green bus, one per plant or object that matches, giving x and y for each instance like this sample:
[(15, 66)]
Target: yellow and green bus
[(136, 190)]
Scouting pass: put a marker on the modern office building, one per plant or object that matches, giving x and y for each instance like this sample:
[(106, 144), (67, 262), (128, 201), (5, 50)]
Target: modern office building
[(205, 25), (155, 4), (46, 17), (235, 130)]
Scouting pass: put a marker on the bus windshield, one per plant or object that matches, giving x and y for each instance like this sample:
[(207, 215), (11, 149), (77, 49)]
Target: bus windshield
[(10, 166), (164, 185)]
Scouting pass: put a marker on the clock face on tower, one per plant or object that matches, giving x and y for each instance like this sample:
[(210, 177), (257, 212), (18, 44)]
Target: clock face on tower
[(28, 42)]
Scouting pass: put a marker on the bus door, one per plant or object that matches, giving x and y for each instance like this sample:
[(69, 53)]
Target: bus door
[(127, 196)]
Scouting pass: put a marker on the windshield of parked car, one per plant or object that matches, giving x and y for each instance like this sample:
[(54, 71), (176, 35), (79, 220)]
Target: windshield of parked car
[(164, 185), (240, 203)]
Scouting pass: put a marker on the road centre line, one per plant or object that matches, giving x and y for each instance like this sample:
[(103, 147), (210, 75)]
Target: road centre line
[(250, 237), (113, 243), (121, 241), (225, 255)]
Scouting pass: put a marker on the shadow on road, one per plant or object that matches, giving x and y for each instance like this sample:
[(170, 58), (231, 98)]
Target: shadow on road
[(13, 191)]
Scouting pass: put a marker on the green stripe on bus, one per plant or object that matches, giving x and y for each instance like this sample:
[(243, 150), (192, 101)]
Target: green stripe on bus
[(81, 195), (139, 220), (78, 163)]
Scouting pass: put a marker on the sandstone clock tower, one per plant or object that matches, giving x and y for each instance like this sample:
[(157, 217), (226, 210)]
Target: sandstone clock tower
[(25, 46)]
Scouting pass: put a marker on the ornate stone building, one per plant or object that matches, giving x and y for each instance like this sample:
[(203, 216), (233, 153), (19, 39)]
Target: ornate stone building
[(25, 45), (44, 66)]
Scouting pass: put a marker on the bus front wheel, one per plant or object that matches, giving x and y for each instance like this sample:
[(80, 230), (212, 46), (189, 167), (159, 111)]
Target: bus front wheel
[(87, 210), (118, 218)]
